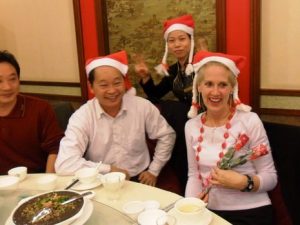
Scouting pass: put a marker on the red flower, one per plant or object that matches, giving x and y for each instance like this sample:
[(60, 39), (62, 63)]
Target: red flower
[(258, 151), (241, 141)]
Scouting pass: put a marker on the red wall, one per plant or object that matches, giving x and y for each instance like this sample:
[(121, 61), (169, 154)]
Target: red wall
[(90, 39), (238, 36), (238, 40)]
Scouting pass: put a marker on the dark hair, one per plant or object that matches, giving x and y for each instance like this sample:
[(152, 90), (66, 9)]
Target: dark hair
[(6, 56), (91, 77)]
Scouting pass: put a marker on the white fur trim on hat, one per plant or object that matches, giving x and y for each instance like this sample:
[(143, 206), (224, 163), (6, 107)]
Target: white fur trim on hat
[(227, 62), (162, 68), (107, 62), (189, 67), (238, 104), (194, 110), (178, 26)]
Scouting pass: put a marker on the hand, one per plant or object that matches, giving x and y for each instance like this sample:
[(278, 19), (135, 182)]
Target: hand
[(228, 178), (141, 68), (204, 196), (116, 169), (147, 178)]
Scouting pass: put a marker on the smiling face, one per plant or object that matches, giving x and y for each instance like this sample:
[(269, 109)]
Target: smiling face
[(179, 44), (108, 87), (9, 85), (215, 83)]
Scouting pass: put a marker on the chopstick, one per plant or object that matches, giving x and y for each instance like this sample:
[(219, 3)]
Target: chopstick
[(72, 184), (76, 180), (170, 206)]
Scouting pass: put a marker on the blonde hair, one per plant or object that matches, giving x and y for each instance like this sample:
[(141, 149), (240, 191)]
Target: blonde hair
[(200, 76)]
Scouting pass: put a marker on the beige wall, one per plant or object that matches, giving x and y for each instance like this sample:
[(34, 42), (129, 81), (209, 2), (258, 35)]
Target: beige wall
[(280, 64), (41, 34)]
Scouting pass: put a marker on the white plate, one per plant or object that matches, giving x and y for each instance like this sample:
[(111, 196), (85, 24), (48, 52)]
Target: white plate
[(150, 216), (81, 187), (203, 219), (85, 215)]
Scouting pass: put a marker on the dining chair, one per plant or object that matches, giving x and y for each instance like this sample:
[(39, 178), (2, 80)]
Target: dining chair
[(63, 111)]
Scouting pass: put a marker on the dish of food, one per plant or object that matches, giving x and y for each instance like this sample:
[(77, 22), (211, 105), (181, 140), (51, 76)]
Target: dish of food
[(25, 212), (86, 213)]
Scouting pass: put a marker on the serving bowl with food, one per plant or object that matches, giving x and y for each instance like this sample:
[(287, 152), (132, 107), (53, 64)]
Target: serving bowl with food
[(56, 207)]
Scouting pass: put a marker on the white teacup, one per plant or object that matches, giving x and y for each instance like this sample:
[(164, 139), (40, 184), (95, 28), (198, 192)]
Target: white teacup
[(190, 206), (20, 171), (112, 183), (86, 175)]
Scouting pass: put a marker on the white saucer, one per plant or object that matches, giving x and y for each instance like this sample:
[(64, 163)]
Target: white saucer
[(150, 216), (85, 215), (204, 219), (81, 187)]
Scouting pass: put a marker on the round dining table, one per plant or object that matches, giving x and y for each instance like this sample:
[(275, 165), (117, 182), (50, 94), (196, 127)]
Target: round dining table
[(104, 210)]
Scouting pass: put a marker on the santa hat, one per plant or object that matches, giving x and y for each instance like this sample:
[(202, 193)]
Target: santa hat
[(184, 23), (232, 62), (117, 60)]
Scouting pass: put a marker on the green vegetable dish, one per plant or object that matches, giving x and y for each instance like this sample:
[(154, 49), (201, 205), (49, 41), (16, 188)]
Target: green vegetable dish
[(25, 212)]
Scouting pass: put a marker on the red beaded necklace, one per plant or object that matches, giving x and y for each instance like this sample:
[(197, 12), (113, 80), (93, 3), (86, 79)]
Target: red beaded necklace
[(205, 182)]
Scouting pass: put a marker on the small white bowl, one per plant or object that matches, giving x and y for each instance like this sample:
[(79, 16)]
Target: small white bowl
[(150, 216), (20, 171), (190, 206), (8, 184), (47, 182), (113, 177), (151, 204), (87, 175), (133, 208)]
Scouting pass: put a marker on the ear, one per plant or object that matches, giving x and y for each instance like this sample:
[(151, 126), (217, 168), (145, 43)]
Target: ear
[(90, 87)]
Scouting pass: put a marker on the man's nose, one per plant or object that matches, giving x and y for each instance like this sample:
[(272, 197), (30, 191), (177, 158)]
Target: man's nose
[(111, 88)]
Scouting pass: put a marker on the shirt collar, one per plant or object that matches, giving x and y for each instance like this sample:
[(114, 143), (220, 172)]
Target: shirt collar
[(100, 112), (19, 109)]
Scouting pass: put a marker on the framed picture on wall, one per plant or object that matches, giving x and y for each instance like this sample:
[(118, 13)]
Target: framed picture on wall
[(137, 27)]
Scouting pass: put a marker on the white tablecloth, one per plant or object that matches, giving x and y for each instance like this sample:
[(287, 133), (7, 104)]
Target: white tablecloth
[(131, 191)]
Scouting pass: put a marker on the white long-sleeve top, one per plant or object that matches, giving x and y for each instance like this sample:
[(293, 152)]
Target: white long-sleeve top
[(93, 136), (223, 198)]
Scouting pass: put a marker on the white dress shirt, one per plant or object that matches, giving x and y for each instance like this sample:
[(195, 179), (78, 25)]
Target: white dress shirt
[(223, 198), (93, 136)]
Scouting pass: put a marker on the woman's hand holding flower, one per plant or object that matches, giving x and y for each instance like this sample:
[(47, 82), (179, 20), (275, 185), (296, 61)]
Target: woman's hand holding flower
[(228, 178), (224, 176)]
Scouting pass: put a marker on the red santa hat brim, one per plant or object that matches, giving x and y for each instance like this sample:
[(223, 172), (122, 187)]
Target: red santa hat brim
[(177, 26)]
